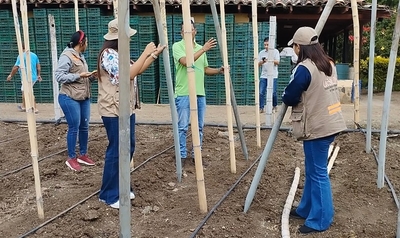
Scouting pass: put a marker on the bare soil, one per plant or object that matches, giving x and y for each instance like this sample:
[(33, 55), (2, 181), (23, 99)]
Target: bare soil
[(165, 208)]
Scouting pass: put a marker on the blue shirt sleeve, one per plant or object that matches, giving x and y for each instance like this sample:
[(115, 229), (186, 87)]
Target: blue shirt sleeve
[(299, 82)]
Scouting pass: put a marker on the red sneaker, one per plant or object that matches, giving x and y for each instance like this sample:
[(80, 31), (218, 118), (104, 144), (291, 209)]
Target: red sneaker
[(73, 164), (84, 159)]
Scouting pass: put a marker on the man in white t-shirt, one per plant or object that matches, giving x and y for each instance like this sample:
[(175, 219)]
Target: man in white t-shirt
[(288, 51), (262, 62)]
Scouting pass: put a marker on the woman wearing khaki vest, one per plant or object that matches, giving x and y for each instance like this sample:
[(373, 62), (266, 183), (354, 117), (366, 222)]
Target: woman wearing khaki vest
[(108, 102), (74, 98), (316, 118)]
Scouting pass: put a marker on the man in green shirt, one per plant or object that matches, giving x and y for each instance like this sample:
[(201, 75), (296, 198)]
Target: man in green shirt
[(182, 86)]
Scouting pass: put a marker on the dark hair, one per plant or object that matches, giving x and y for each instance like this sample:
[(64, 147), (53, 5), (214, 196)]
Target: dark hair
[(77, 38), (194, 26), (318, 56), (266, 39), (112, 44)]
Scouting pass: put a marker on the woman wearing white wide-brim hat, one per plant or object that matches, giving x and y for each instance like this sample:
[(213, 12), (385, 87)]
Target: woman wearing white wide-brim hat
[(108, 102)]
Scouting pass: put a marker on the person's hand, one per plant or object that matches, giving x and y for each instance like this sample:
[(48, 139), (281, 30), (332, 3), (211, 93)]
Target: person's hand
[(159, 49), (85, 74), (222, 69), (39, 78), (150, 48), (9, 77), (211, 43)]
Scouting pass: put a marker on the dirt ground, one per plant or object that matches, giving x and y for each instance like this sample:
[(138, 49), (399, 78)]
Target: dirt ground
[(165, 208)]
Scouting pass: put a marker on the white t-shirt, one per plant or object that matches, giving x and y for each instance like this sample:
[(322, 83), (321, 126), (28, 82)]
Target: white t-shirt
[(264, 71)]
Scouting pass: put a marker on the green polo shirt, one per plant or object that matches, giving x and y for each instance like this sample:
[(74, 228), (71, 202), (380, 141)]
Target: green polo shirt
[(181, 81)]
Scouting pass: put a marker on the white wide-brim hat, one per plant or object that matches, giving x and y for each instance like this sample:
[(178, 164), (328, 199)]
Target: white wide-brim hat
[(112, 33)]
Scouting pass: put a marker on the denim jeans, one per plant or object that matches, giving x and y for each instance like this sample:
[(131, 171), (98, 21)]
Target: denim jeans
[(77, 114), (263, 89), (109, 192), (316, 204), (183, 108)]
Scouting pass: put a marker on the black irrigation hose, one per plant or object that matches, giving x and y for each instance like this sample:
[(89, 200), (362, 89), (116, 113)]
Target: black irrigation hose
[(29, 165), (223, 198), (88, 197), (11, 139)]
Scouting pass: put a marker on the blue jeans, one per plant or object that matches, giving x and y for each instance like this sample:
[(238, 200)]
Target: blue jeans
[(263, 89), (183, 108), (109, 192), (77, 114), (316, 204)]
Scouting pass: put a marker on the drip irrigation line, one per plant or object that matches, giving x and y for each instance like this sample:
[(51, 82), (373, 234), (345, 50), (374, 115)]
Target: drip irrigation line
[(168, 123), (29, 165), (11, 139), (46, 157), (88, 197), (211, 212)]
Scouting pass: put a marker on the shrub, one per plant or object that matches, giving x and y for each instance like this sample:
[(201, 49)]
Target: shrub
[(380, 71)]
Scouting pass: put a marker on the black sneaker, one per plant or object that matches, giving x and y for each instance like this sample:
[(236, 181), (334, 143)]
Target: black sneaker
[(307, 230), (294, 214), (183, 162)]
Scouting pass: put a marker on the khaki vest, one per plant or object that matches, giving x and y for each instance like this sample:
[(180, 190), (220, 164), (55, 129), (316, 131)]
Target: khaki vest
[(108, 97), (319, 113), (79, 89)]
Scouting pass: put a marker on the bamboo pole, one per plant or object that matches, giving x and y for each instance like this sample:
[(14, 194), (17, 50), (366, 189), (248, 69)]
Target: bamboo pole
[(161, 19), (54, 61), (356, 60), (233, 98), (386, 101), (254, 20), (124, 119), (288, 204), (324, 16), (115, 8), (371, 75), (333, 158), (76, 15), (26, 75), (331, 147), (227, 88), (187, 27), (270, 65)]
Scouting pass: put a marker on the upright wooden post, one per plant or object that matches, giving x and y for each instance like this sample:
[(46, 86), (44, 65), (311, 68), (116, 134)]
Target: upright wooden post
[(161, 19), (26, 75), (54, 61), (227, 88), (270, 65), (115, 6), (356, 60), (233, 97), (124, 119), (76, 15), (386, 101), (371, 65), (254, 20), (187, 33)]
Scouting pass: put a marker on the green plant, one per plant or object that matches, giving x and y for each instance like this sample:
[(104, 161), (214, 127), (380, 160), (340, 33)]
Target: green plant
[(380, 72)]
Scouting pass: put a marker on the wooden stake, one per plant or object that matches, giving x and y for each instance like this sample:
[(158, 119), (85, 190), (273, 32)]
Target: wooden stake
[(26, 75), (187, 27), (288, 205), (256, 71), (54, 61), (331, 146), (333, 158), (76, 15), (386, 101), (115, 5), (324, 16), (161, 19), (227, 88), (356, 60), (270, 64)]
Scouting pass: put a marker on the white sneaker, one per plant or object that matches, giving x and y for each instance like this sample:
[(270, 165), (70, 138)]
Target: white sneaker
[(131, 195), (115, 205)]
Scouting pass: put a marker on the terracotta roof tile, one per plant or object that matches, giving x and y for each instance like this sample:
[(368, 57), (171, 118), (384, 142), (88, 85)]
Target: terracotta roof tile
[(263, 3)]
